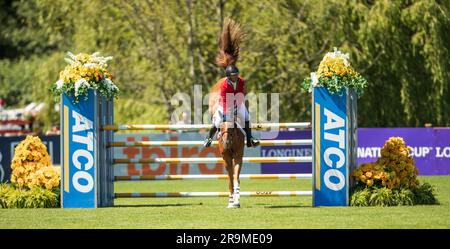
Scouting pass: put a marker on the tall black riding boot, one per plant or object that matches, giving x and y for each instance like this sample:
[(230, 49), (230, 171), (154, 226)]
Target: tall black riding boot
[(248, 131), (210, 137)]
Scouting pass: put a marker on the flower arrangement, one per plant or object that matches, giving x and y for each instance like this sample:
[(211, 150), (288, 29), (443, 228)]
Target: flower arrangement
[(85, 72), (335, 73), (35, 183), (31, 165), (391, 180), (394, 169)]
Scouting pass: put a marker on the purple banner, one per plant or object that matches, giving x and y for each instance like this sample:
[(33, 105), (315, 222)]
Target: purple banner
[(285, 151), (430, 149), (430, 146)]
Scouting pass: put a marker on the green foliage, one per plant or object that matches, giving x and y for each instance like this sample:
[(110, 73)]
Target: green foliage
[(425, 194), (4, 190), (128, 110), (382, 197), (375, 196), (360, 198), (404, 197), (34, 198), (336, 84)]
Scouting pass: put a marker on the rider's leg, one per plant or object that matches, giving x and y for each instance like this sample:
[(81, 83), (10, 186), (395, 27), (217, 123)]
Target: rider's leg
[(217, 119), (247, 128)]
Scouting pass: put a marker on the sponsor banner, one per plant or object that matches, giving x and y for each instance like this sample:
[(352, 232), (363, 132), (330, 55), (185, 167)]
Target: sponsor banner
[(174, 152), (286, 151), (430, 146), (330, 132), (7, 147), (78, 152)]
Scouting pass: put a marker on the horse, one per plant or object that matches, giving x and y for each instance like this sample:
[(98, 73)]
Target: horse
[(231, 147)]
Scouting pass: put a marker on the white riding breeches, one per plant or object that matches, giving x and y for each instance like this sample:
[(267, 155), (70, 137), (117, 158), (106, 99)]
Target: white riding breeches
[(242, 114)]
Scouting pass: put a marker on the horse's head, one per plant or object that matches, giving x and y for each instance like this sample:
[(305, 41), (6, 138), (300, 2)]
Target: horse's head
[(227, 133)]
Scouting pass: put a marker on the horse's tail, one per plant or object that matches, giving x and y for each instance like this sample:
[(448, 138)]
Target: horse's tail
[(214, 97), (229, 43)]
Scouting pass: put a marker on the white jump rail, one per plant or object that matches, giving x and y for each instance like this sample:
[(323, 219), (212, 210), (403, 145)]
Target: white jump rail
[(305, 159), (200, 143), (212, 194), (212, 177), (258, 126)]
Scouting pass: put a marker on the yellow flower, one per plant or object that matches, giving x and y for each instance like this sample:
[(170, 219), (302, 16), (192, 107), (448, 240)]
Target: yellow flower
[(363, 178)]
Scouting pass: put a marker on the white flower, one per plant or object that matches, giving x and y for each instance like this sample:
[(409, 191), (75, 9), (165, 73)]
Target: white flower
[(88, 65), (110, 84), (72, 56), (70, 61), (59, 84), (338, 54), (314, 80), (80, 83)]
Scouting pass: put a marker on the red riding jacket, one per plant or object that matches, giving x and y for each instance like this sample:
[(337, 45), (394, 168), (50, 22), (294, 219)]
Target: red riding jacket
[(226, 88)]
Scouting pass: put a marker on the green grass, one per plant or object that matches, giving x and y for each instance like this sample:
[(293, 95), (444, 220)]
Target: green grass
[(211, 212)]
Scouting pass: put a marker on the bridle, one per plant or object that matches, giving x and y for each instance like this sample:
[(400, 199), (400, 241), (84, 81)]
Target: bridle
[(230, 136)]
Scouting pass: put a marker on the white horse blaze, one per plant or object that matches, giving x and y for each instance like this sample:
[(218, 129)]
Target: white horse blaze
[(82, 124), (333, 121)]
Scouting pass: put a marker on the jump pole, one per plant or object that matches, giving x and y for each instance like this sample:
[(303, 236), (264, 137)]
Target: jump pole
[(87, 133)]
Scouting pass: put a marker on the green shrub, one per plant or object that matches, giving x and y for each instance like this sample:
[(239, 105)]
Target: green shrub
[(374, 196), (404, 197), (4, 190), (425, 194), (36, 197), (382, 197), (16, 198), (360, 198)]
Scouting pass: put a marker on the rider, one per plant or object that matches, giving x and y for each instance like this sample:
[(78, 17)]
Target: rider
[(232, 84)]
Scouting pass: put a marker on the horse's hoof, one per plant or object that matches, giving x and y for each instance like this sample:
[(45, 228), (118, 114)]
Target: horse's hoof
[(234, 205)]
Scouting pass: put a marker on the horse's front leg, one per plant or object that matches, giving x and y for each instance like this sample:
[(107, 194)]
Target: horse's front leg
[(236, 181), (229, 167)]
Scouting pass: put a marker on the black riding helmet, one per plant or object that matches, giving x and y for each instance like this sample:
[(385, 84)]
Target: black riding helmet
[(231, 70)]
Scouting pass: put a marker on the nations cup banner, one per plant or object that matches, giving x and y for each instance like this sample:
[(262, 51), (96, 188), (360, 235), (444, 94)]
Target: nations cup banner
[(430, 147)]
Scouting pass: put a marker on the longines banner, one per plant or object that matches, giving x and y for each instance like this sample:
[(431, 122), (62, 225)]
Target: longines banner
[(431, 151)]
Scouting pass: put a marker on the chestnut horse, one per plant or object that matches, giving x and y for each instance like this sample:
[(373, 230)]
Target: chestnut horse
[(231, 146)]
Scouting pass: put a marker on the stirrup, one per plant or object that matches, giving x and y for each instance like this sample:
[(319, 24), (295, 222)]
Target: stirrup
[(252, 142), (255, 142)]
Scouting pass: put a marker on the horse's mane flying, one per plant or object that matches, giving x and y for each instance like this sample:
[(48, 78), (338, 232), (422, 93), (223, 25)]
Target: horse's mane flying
[(229, 40)]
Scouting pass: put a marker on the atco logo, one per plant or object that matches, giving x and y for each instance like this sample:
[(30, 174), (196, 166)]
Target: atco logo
[(82, 158), (334, 132)]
